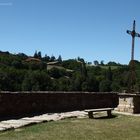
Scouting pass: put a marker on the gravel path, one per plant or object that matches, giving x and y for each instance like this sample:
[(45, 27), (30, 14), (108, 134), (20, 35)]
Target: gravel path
[(17, 123)]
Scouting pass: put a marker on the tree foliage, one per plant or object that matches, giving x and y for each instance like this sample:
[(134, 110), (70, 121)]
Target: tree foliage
[(20, 72)]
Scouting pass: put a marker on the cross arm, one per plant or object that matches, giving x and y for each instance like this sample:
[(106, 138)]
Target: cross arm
[(133, 33), (137, 34), (129, 32)]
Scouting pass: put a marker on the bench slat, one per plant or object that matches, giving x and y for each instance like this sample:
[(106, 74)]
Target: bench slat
[(98, 110), (90, 111)]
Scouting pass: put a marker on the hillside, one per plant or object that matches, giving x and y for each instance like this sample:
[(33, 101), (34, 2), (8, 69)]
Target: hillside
[(19, 72)]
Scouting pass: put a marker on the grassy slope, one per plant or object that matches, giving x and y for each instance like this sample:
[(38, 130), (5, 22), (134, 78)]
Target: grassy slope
[(112, 67), (119, 128)]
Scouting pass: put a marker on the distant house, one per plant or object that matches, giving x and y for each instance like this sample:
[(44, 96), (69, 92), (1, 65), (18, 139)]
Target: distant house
[(53, 63), (31, 59)]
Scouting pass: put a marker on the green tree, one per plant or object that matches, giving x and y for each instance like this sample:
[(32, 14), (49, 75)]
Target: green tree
[(64, 84), (93, 84), (77, 80), (105, 86), (115, 87), (96, 63), (36, 80), (35, 54), (102, 63), (54, 72), (17, 64), (52, 59), (109, 74), (59, 59), (46, 58), (39, 55)]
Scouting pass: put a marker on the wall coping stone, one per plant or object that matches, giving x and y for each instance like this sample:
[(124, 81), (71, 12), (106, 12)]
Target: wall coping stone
[(52, 92), (128, 94)]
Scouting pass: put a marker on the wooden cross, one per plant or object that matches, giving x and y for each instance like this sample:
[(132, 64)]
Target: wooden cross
[(133, 34), (132, 76)]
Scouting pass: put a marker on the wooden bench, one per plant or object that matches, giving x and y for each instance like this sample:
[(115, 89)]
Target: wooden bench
[(90, 111)]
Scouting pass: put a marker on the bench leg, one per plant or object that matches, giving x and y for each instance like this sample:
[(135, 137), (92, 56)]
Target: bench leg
[(109, 113), (90, 115)]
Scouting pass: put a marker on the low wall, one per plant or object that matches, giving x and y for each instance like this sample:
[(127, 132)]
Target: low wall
[(129, 103), (24, 103)]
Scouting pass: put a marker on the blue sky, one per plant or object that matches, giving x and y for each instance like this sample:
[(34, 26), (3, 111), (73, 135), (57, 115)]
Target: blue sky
[(90, 29)]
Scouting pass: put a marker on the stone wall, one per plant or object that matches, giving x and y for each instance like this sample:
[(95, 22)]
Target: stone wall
[(25, 103), (129, 103)]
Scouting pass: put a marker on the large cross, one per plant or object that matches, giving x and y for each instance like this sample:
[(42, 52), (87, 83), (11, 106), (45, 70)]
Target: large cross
[(133, 34), (132, 76)]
